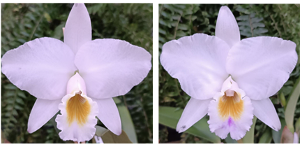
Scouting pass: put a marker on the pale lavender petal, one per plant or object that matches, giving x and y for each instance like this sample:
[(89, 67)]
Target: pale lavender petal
[(198, 62), (265, 111), (192, 113), (109, 115), (41, 113), (42, 67), (227, 28), (78, 29), (111, 67), (261, 65)]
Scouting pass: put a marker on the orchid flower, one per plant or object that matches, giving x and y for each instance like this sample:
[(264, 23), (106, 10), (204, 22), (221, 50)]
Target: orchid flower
[(77, 77), (227, 78)]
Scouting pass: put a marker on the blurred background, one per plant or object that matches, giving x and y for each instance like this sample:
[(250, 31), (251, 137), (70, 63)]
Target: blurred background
[(24, 22), (176, 21)]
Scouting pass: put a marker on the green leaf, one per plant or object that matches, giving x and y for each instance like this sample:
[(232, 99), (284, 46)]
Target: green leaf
[(297, 125), (183, 27), (256, 19), (21, 94), (291, 106), (255, 25), (127, 123), (28, 25), (25, 34), (266, 137), (244, 23), (228, 139), (165, 14), (31, 16), (259, 31), (176, 17), (180, 34), (162, 31), (9, 87), (161, 39), (109, 137), (180, 6), (9, 94), (282, 99), (241, 9), (18, 107), (287, 90), (117, 100), (164, 22), (169, 116), (243, 17), (173, 8), (21, 40), (193, 18), (20, 101), (249, 137)]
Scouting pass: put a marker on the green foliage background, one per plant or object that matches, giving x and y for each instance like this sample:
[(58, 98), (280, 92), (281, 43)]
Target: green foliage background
[(176, 21), (24, 22)]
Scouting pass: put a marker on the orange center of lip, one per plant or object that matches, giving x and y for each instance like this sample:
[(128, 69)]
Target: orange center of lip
[(231, 106), (78, 108)]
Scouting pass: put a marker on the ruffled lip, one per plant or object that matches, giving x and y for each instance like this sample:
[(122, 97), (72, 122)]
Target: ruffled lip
[(77, 123), (229, 112)]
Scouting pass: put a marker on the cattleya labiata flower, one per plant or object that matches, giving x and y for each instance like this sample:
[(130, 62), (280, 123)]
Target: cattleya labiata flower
[(77, 77), (228, 78)]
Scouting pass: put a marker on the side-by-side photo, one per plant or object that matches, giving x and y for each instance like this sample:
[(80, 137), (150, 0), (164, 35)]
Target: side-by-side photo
[(150, 73), (76, 73), (229, 73)]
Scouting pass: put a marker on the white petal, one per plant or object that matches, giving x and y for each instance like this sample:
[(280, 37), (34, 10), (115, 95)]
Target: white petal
[(76, 84), (237, 127), (75, 130), (192, 113), (109, 115), (198, 62), (261, 65), (111, 67), (222, 133), (78, 29), (41, 113), (265, 111), (42, 67), (227, 28), (230, 86)]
